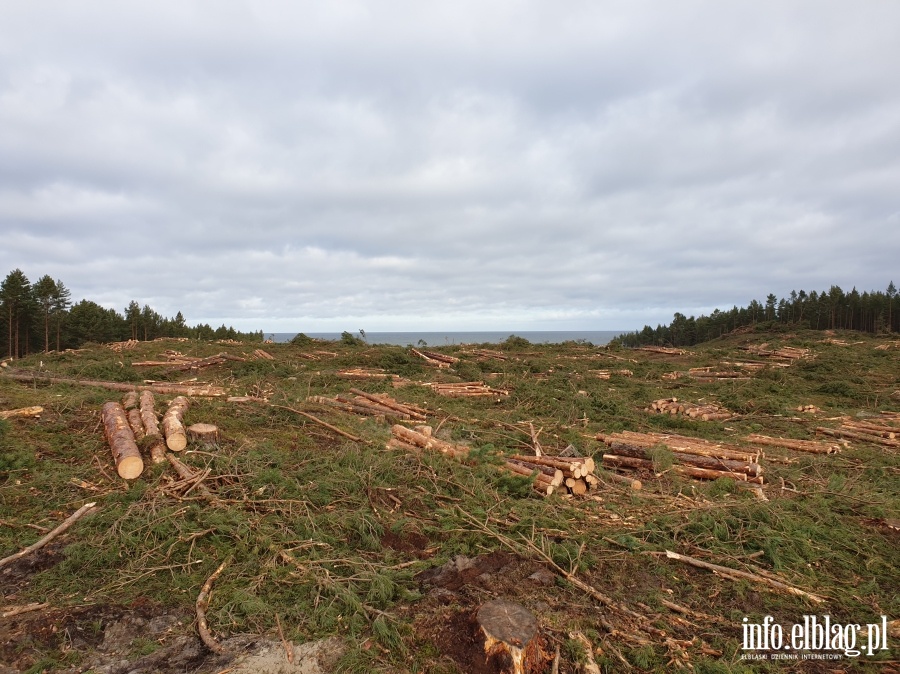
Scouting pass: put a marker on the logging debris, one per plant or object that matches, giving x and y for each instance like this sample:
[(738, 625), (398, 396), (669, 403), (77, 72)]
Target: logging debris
[(607, 374), (193, 390), (709, 412), (22, 412), (68, 522)]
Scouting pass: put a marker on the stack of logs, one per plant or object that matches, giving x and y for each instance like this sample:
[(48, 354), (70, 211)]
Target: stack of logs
[(708, 374), (370, 404), (434, 358), (788, 353), (692, 457), (259, 354), (874, 431), (365, 373), (673, 406), (808, 409), (134, 422), (552, 474), (668, 351), (468, 389)]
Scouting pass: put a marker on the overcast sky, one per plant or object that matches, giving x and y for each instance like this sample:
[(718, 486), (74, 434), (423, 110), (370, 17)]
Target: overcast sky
[(286, 166)]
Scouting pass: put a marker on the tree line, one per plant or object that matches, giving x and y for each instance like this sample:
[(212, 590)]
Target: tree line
[(40, 316), (833, 309)]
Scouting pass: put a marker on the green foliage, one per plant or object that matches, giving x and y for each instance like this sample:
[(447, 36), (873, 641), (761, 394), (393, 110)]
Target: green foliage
[(301, 339)]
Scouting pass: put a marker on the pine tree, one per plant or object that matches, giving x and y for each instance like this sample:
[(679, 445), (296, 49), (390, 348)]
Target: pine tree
[(15, 296)]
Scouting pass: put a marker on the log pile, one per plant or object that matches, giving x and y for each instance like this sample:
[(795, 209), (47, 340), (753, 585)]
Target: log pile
[(259, 354), (365, 374), (368, 404), (556, 474), (673, 406), (808, 409), (808, 446), (420, 437), (434, 358), (864, 431), (692, 457), (468, 389), (785, 353), (707, 374), (668, 351), (119, 347), (888, 345)]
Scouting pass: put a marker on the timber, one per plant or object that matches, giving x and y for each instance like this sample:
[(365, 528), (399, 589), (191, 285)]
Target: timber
[(173, 428), (129, 463), (700, 461), (810, 446), (154, 442), (198, 390)]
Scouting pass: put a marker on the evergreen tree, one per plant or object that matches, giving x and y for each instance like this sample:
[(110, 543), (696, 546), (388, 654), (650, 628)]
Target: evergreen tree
[(62, 300), (15, 302), (44, 291)]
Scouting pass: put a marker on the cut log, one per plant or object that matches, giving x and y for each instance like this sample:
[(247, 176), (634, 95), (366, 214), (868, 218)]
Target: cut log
[(22, 412), (137, 426), (168, 389), (623, 479), (130, 400), (172, 426), (810, 446), (206, 434), (554, 479), (154, 443), (554, 474), (510, 632), (129, 463)]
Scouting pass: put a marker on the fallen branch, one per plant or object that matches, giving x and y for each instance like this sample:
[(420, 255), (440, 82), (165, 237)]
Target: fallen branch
[(202, 605), (320, 422), (22, 412), (74, 517), (735, 574), (11, 611)]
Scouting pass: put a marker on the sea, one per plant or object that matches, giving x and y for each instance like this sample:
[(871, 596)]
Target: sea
[(595, 337)]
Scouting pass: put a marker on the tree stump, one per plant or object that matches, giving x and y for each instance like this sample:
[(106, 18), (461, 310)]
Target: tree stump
[(509, 635), (205, 434)]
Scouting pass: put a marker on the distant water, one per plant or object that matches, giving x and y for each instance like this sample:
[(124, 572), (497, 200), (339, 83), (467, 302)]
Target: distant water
[(596, 337)]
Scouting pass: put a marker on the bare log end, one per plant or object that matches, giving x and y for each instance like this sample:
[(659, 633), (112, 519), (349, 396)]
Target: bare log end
[(510, 632)]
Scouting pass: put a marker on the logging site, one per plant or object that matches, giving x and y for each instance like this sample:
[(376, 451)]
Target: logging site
[(183, 505)]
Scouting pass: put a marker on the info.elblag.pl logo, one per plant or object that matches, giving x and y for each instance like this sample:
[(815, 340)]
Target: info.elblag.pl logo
[(815, 638)]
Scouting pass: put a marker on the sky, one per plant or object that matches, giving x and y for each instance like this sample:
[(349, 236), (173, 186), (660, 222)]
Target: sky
[(464, 165)]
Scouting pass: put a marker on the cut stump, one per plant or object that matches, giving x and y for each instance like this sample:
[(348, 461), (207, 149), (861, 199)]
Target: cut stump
[(509, 635), (205, 434)]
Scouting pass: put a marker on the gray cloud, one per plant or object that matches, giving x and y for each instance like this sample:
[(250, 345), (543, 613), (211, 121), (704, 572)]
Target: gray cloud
[(470, 165)]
